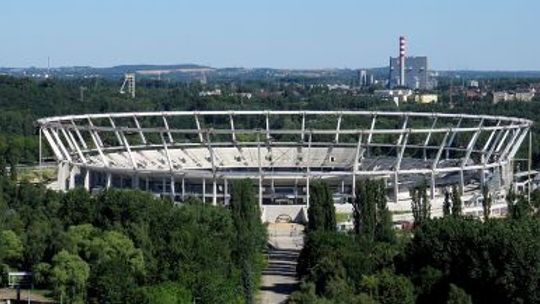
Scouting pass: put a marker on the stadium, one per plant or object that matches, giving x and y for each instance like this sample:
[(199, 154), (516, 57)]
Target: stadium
[(198, 154)]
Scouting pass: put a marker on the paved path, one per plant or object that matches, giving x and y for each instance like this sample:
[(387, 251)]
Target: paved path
[(279, 278)]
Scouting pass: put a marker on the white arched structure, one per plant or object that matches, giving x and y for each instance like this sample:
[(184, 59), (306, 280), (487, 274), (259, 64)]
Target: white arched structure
[(183, 154)]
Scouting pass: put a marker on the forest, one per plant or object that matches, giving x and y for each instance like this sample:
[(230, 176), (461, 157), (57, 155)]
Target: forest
[(129, 247), (453, 259)]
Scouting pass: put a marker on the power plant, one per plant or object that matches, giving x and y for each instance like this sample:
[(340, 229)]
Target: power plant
[(409, 71)]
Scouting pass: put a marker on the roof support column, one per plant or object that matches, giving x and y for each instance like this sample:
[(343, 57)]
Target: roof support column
[(308, 168), (355, 165), (451, 141), (428, 137), (370, 134), (138, 126), (225, 192), (436, 161)]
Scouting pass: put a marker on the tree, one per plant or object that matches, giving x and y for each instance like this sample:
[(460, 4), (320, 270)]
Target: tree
[(11, 247), (249, 233), (394, 289), (447, 204), (457, 204), (420, 204), (165, 293), (365, 210), (522, 208), (321, 211), (457, 295), (486, 202), (384, 228), (77, 207), (372, 219), (110, 255), (69, 276)]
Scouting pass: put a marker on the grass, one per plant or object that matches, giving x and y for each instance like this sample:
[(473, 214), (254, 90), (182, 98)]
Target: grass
[(343, 217), (36, 174)]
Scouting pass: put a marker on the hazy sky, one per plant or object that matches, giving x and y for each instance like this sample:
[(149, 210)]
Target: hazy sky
[(455, 34)]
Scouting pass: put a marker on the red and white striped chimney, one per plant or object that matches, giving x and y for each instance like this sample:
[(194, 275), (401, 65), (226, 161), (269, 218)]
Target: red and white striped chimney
[(402, 42)]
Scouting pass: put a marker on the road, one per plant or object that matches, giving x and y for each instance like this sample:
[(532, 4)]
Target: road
[(279, 278)]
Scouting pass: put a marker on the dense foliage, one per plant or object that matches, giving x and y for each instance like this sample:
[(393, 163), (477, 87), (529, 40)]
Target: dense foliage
[(453, 259), (128, 247)]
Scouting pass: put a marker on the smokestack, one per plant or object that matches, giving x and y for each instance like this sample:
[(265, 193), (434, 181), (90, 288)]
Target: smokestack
[(402, 61)]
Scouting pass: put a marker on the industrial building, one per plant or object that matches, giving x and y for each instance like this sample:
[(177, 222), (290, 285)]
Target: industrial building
[(409, 71)]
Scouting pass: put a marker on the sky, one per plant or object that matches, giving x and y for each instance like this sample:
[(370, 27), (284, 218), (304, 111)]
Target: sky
[(310, 34)]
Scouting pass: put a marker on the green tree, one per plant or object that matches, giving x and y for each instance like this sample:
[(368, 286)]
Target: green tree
[(394, 289), (486, 202), (457, 295), (250, 234), (384, 228), (457, 204), (521, 208), (11, 247), (365, 209), (77, 207), (420, 204), (69, 276), (321, 211), (165, 293), (447, 203)]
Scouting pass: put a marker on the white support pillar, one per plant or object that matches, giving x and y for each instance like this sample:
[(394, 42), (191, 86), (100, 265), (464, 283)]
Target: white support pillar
[(72, 173), (86, 179), (260, 192), (204, 190), (173, 189), (183, 188), (61, 176), (308, 168), (108, 180), (307, 191), (225, 192), (214, 191), (432, 186)]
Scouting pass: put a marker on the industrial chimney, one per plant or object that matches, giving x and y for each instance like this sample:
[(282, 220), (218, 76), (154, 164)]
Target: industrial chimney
[(402, 61)]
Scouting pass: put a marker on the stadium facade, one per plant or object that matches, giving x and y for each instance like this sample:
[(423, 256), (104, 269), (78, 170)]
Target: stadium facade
[(199, 154)]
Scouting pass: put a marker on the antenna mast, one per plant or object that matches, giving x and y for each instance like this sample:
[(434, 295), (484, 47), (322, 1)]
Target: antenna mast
[(129, 84)]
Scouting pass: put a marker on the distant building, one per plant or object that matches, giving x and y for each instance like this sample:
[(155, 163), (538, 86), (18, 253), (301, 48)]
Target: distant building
[(364, 79), (473, 84), (397, 96), (499, 96), (216, 92), (246, 95), (417, 74), (426, 98), (332, 87)]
